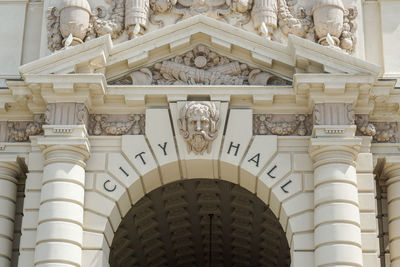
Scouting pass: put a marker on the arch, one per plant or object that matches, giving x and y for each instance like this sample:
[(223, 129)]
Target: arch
[(124, 181), (194, 221)]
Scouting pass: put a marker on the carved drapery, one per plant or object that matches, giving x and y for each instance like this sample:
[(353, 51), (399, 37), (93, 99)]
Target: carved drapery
[(328, 24)]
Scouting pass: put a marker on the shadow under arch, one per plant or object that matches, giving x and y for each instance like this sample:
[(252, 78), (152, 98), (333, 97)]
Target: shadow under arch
[(170, 226)]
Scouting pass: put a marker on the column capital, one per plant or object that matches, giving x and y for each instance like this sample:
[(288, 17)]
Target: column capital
[(325, 150), (391, 168), (66, 141)]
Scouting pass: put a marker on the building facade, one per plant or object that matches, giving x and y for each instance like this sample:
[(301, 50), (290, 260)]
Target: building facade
[(199, 133)]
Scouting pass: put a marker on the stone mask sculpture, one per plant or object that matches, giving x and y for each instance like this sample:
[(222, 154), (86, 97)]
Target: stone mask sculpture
[(199, 123)]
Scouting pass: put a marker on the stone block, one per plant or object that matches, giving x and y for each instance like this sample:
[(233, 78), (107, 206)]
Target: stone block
[(302, 162), (283, 190), (260, 152), (114, 190), (163, 145), (303, 241), (365, 182), (33, 181), (96, 162), (35, 161), (276, 170), (138, 153), (237, 137), (365, 163), (32, 200), (370, 242), (302, 259), (308, 182), (368, 222), (367, 202), (119, 168)]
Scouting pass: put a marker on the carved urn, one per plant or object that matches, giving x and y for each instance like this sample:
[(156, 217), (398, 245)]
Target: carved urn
[(74, 19), (328, 19)]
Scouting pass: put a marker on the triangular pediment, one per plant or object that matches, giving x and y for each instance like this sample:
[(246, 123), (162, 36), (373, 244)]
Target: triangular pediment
[(116, 61)]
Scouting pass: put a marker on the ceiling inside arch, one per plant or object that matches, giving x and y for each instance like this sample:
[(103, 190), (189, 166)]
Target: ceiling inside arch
[(170, 226)]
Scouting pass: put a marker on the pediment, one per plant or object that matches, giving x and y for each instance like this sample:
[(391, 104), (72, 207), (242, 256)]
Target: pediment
[(116, 61)]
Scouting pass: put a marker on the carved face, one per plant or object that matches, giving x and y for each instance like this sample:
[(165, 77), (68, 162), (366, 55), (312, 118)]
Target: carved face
[(198, 125)]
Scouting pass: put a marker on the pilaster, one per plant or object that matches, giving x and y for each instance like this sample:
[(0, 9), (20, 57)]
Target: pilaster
[(10, 170), (391, 172)]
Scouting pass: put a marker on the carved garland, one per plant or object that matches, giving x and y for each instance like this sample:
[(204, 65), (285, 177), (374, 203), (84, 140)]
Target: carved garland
[(116, 124), (268, 124)]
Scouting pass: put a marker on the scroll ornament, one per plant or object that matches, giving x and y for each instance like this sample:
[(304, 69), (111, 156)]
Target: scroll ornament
[(328, 23)]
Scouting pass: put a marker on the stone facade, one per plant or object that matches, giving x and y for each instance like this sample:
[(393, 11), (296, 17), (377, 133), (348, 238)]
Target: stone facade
[(179, 132)]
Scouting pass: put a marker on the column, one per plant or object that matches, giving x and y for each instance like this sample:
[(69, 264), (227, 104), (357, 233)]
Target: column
[(9, 171), (392, 173), (337, 234), (59, 233)]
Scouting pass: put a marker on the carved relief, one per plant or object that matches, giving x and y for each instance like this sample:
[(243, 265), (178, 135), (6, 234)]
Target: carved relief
[(328, 23), (19, 131), (66, 114), (333, 114), (199, 124), (268, 124), (103, 22), (200, 66), (116, 124), (382, 132), (335, 25)]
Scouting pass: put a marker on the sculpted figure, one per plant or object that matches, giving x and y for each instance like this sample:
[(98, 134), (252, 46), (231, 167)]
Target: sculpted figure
[(198, 123), (265, 16), (136, 17)]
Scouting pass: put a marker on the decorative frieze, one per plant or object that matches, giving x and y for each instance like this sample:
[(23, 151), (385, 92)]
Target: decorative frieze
[(382, 132), (328, 23), (200, 66), (19, 131), (101, 124), (268, 124)]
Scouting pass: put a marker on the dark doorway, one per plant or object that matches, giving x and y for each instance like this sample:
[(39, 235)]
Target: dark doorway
[(170, 226)]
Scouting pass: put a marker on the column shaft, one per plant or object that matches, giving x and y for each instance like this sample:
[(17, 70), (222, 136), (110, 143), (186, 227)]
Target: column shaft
[(59, 232), (392, 172), (8, 196), (337, 234)]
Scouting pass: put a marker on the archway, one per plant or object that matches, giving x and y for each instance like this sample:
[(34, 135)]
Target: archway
[(170, 226)]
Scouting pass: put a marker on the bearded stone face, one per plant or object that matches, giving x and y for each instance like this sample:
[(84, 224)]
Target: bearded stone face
[(198, 125)]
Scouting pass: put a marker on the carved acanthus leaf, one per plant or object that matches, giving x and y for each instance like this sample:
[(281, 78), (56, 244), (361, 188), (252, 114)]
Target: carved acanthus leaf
[(268, 124), (200, 66), (116, 124)]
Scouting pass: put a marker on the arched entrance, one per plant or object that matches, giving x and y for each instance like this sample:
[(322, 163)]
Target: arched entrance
[(170, 226)]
